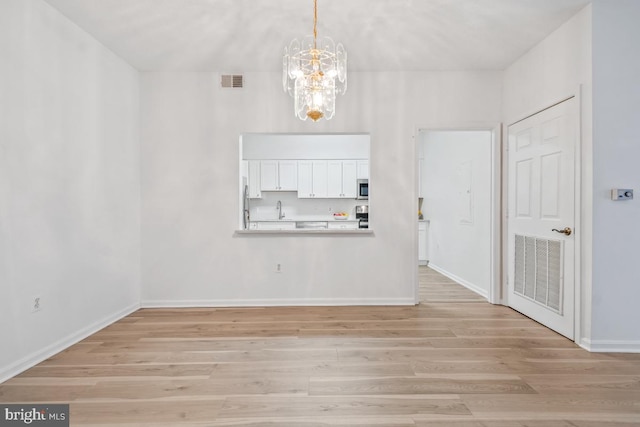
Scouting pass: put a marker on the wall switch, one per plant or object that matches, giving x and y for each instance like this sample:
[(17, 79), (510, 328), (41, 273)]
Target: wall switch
[(278, 268), (621, 194)]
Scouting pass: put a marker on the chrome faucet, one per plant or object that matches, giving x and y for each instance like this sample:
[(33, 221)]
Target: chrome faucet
[(279, 207)]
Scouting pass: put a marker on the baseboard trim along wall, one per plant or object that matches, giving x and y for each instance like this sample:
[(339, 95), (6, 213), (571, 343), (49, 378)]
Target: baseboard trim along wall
[(276, 302), (58, 346), (610, 346), (483, 293)]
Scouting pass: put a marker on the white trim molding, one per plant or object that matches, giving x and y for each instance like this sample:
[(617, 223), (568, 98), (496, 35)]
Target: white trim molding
[(60, 345), (610, 346), (285, 302)]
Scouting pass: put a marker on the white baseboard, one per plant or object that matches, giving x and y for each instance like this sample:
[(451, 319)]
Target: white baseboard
[(478, 290), (610, 346), (60, 345), (277, 302)]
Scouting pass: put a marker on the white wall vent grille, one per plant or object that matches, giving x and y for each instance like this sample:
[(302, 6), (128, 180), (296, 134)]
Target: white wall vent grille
[(538, 271), (232, 80)]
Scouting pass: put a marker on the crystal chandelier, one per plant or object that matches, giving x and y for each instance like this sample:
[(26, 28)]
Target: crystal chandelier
[(314, 71)]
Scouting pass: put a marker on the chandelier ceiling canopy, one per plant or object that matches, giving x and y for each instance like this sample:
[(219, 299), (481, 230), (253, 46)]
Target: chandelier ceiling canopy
[(314, 71)]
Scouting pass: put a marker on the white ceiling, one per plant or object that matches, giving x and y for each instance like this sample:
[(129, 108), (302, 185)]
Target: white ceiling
[(249, 35)]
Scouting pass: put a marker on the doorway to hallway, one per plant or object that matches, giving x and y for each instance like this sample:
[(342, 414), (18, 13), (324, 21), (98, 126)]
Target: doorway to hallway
[(459, 199)]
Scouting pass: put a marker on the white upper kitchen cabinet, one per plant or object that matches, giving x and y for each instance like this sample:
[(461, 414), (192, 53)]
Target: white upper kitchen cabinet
[(312, 179), (363, 169), (341, 180), (279, 175), (254, 179)]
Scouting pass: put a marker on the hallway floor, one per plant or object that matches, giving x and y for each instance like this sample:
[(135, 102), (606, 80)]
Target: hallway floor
[(434, 287)]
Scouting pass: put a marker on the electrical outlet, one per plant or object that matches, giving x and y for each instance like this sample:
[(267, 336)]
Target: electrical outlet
[(36, 304), (278, 268)]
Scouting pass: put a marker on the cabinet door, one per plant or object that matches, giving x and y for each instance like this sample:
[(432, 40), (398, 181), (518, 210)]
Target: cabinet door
[(288, 175), (422, 242), (349, 180), (269, 175), (363, 169), (343, 225), (319, 178), (254, 179), (334, 178), (275, 225), (305, 179)]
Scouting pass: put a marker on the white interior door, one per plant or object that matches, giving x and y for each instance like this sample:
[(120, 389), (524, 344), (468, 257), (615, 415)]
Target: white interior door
[(541, 217)]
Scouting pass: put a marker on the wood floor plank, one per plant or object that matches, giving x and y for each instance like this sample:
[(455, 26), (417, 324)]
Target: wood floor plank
[(311, 369), (414, 385), (560, 406), (108, 413), (503, 342), (462, 367), (348, 406), (604, 384), (142, 372), (340, 422), (191, 357), (187, 389), (40, 393), (377, 333)]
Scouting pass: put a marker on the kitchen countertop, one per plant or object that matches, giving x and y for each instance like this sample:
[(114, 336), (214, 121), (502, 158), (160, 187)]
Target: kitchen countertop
[(357, 231), (305, 218), (329, 219)]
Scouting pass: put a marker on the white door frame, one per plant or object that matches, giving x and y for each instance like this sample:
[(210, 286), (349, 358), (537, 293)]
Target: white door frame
[(496, 272), (576, 94)]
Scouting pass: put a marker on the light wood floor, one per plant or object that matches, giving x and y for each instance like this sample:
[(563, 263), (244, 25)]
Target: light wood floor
[(439, 364), (434, 287)]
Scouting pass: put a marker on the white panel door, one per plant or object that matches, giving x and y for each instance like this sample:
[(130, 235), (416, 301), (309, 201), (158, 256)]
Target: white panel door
[(541, 216)]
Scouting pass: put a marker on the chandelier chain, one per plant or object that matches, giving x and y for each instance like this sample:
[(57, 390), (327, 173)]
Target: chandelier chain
[(315, 23)]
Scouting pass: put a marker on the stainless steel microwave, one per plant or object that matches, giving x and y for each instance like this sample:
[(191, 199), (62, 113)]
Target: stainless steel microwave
[(363, 189)]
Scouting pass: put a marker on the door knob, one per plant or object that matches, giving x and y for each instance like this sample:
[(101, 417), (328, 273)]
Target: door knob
[(566, 231)]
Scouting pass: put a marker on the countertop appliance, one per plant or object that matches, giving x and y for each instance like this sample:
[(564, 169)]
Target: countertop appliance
[(363, 189), (362, 215)]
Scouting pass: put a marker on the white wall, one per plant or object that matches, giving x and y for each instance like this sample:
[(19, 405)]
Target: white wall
[(457, 203), (189, 134), (616, 152), (69, 184), (261, 146)]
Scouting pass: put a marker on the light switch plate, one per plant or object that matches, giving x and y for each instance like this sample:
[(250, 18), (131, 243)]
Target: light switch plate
[(621, 194)]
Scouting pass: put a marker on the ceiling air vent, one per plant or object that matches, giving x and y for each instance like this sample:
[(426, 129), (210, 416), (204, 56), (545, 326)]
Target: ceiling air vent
[(232, 80)]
